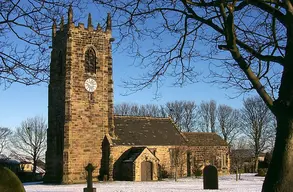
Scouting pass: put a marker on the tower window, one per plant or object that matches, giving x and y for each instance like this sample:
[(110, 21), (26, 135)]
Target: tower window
[(90, 61)]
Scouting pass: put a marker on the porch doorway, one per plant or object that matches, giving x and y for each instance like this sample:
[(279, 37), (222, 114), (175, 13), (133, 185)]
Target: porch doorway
[(146, 171)]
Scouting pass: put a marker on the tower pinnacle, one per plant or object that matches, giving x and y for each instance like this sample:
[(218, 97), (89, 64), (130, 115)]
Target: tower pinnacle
[(89, 21), (62, 23), (70, 15), (109, 23), (54, 28)]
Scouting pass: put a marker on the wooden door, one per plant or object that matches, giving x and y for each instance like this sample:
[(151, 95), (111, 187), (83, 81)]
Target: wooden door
[(146, 171)]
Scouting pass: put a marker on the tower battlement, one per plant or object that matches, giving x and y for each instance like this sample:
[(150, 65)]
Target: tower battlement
[(80, 26)]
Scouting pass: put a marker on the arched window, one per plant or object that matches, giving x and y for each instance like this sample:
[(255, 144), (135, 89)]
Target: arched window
[(90, 61)]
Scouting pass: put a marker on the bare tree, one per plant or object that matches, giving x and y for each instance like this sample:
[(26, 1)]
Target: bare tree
[(132, 109), (272, 135), (240, 143), (189, 116), (151, 110), (207, 116), (256, 34), (178, 159), (163, 111), (175, 111), (30, 139), (5, 133), (240, 154), (237, 163), (229, 123), (25, 30), (125, 109), (183, 114), (257, 125)]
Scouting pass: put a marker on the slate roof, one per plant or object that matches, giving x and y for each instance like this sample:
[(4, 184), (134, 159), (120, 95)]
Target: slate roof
[(133, 130), (6, 160), (133, 153), (204, 139), (21, 159)]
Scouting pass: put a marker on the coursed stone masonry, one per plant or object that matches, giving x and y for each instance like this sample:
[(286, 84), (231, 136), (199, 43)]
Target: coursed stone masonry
[(78, 119)]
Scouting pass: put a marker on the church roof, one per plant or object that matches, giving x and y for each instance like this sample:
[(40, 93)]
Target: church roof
[(204, 139), (133, 153), (133, 130)]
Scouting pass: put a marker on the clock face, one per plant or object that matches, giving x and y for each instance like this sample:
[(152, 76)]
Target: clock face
[(90, 85)]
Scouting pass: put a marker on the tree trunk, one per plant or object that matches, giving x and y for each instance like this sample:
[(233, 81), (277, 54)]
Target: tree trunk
[(175, 173), (279, 177), (34, 168), (34, 164), (256, 163)]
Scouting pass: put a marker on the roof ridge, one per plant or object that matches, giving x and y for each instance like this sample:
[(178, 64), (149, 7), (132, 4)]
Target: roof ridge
[(141, 117), (199, 132)]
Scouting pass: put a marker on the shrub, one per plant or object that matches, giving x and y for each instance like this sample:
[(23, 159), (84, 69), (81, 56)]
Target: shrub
[(162, 172), (262, 172), (197, 172), (241, 170), (9, 182)]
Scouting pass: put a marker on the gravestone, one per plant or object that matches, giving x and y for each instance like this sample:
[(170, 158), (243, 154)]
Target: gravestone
[(210, 177), (89, 168)]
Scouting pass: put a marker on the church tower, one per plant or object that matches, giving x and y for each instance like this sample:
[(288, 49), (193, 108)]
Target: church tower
[(80, 99)]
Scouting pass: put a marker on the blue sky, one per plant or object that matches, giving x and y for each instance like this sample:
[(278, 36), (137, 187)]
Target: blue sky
[(20, 102)]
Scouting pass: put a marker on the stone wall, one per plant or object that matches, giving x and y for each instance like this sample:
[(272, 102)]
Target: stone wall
[(161, 152), (56, 110), (199, 155), (169, 161), (145, 156), (206, 155), (114, 162)]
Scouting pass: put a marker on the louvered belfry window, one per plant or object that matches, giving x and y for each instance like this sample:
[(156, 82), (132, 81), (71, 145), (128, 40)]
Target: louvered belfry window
[(90, 61)]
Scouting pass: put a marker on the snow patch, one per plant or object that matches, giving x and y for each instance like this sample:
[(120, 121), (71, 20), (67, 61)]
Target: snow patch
[(248, 183)]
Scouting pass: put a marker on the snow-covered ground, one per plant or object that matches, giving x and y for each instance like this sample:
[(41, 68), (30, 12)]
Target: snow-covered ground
[(248, 183)]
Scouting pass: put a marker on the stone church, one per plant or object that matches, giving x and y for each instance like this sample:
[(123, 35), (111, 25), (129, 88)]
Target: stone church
[(83, 129)]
